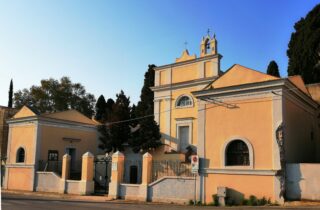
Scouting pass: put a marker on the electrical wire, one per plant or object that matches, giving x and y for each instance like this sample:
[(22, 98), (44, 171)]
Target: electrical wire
[(171, 109)]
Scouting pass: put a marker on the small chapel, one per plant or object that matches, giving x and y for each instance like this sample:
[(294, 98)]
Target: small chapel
[(245, 126)]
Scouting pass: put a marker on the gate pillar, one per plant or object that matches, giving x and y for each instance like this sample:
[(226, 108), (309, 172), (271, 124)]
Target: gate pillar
[(117, 169)]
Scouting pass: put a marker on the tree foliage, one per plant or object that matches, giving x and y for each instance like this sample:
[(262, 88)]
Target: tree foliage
[(145, 105), (133, 125), (273, 69), (100, 114), (147, 135), (304, 47), (10, 94), (116, 131), (53, 95)]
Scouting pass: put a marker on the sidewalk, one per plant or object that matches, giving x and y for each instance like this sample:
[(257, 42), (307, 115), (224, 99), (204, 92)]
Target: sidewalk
[(92, 198), (105, 198)]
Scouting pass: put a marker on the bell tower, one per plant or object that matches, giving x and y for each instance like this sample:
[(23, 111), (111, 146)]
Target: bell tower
[(209, 46)]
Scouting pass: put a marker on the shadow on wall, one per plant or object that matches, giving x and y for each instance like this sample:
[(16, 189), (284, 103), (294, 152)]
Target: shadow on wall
[(234, 197), (171, 139), (204, 163), (293, 181)]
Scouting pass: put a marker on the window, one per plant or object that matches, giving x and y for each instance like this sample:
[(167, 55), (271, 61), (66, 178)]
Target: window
[(184, 101), (183, 138), (207, 50), (237, 154), (53, 155), (20, 155)]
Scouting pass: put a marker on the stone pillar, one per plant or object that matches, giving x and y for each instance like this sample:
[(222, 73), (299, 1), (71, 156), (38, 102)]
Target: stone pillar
[(146, 168), (146, 176), (87, 183), (87, 167), (117, 170), (65, 172), (66, 166)]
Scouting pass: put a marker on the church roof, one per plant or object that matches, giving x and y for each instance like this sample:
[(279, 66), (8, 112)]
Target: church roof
[(68, 115), (239, 75)]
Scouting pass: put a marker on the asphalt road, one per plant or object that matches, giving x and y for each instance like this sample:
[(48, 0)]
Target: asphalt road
[(22, 202)]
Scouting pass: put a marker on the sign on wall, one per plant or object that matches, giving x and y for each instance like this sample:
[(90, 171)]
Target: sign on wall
[(114, 166), (194, 164)]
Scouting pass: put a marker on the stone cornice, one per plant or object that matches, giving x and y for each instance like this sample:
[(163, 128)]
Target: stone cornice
[(48, 121), (257, 87), (201, 81), (208, 57), (258, 172)]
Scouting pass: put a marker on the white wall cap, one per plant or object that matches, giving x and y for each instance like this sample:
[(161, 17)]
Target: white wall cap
[(66, 155), (147, 155), (89, 154), (118, 154)]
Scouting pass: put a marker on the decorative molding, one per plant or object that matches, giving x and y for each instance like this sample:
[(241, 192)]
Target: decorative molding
[(19, 165), (209, 57), (49, 122), (184, 122), (185, 119), (185, 56), (182, 107), (257, 87), (202, 81), (239, 171)]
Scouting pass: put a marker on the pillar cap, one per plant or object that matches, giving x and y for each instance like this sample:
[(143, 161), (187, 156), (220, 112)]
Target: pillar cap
[(87, 154), (147, 155), (118, 154), (66, 155)]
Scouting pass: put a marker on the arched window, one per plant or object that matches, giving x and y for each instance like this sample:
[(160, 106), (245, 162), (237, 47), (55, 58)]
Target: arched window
[(20, 155), (207, 46), (237, 154), (184, 101)]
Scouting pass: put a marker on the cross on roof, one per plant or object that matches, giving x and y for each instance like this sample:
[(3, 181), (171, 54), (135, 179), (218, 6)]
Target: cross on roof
[(208, 31), (185, 44)]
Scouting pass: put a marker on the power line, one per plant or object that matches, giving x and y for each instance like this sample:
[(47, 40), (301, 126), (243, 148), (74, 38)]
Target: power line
[(220, 103)]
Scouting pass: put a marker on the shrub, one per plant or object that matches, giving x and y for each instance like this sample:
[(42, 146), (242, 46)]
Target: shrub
[(215, 200), (253, 201)]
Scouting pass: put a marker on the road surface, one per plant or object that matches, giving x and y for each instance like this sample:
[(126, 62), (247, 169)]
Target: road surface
[(27, 202)]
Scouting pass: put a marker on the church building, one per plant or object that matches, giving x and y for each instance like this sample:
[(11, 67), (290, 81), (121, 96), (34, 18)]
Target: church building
[(244, 125)]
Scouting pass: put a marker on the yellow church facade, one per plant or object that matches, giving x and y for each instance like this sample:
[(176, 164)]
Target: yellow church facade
[(244, 125), (175, 108)]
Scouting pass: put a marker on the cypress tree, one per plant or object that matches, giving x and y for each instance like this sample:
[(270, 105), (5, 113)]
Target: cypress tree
[(10, 94), (273, 69), (304, 47), (116, 131), (100, 112), (148, 135)]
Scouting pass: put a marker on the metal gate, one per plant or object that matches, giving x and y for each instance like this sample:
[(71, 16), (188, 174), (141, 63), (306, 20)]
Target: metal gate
[(102, 174)]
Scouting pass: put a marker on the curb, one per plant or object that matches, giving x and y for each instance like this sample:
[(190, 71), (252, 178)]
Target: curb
[(93, 198)]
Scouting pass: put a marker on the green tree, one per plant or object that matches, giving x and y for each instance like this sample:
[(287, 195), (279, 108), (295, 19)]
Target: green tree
[(145, 105), (109, 105), (273, 69), (53, 95), (117, 130), (10, 94), (101, 109), (147, 134), (304, 47)]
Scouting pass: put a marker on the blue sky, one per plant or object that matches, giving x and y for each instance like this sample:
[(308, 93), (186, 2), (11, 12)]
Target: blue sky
[(107, 45)]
